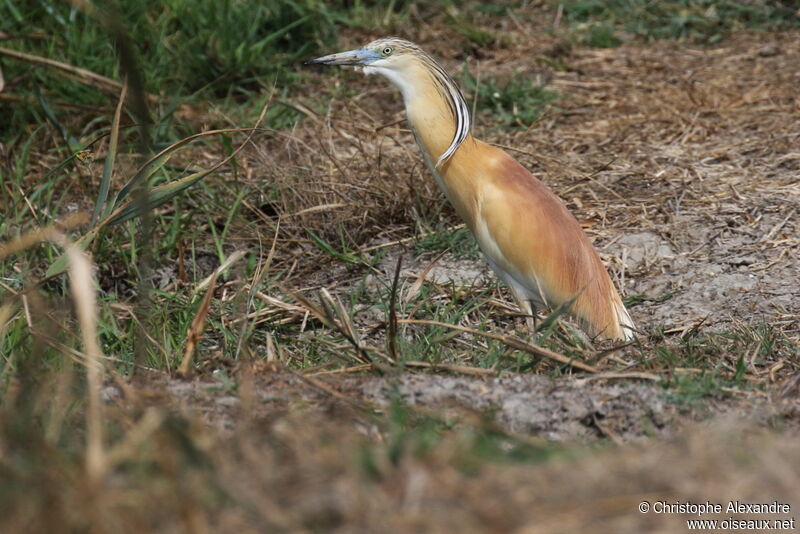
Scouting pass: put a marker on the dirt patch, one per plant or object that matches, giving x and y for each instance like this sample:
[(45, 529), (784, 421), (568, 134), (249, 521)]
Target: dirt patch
[(558, 410), (569, 410)]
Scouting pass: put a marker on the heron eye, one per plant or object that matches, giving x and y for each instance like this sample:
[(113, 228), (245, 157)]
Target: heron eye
[(387, 50)]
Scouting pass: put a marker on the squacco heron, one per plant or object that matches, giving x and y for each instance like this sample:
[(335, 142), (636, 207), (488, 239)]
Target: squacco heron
[(525, 232)]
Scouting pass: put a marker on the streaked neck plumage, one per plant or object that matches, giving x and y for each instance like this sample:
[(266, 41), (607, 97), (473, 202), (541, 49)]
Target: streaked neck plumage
[(435, 107)]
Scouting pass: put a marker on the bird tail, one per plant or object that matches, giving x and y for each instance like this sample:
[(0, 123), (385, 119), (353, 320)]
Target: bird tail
[(627, 330)]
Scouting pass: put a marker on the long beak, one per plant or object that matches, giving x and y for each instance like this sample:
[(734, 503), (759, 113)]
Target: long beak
[(352, 57)]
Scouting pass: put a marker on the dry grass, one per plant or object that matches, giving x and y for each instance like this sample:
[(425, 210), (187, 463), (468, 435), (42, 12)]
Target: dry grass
[(327, 465), (694, 150)]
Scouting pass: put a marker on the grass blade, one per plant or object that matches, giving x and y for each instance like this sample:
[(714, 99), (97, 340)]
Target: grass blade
[(72, 144), (108, 165), (85, 76), (159, 160), (548, 323), (198, 324), (163, 193)]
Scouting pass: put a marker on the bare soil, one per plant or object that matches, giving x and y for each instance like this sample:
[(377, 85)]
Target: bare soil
[(570, 410)]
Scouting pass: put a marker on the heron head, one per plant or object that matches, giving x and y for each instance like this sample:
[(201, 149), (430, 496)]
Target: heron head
[(417, 75), (389, 53)]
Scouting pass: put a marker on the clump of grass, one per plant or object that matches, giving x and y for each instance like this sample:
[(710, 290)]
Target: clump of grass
[(517, 101), (601, 23), (457, 241), (697, 366), (602, 35), (417, 434), (164, 471)]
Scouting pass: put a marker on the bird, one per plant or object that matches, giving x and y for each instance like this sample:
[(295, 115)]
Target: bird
[(526, 234)]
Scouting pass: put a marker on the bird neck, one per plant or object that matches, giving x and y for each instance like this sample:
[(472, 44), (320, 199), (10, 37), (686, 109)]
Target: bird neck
[(435, 108), (433, 128), (432, 121)]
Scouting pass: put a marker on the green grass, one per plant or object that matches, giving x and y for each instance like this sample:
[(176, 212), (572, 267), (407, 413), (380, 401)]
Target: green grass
[(602, 23), (518, 101), (187, 50), (715, 363), (458, 242)]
